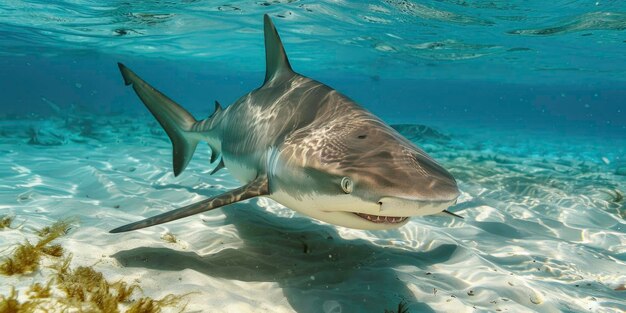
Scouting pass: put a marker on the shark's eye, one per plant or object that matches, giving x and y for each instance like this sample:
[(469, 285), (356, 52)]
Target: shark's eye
[(346, 185)]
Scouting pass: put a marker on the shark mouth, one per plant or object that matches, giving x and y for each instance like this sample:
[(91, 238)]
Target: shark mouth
[(382, 219)]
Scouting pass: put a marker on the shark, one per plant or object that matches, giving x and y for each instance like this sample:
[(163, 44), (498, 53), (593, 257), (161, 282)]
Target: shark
[(306, 146)]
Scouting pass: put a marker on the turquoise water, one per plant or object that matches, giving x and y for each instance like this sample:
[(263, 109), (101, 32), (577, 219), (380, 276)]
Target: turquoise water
[(524, 103)]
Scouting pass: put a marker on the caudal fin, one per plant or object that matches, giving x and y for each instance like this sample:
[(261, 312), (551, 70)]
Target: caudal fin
[(176, 121)]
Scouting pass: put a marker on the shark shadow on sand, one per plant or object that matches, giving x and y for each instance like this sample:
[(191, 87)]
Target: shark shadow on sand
[(354, 274)]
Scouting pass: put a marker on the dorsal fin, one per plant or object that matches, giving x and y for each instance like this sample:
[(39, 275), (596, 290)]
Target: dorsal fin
[(276, 62)]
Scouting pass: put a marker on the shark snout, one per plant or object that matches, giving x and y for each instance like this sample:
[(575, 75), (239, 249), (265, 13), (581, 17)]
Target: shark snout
[(430, 189), (438, 187), (426, 181), (425, 189)]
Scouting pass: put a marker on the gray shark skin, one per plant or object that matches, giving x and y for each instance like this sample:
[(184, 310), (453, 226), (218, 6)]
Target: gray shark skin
[(306, 146)]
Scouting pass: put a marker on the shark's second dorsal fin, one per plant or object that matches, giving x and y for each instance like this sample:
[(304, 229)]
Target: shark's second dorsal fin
[(218, 108), (276, 63)]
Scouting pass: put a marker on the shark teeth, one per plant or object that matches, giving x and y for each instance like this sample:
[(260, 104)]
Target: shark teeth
[(382, 219)]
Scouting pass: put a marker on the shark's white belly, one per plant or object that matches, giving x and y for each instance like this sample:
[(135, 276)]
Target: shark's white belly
[(244, 173)]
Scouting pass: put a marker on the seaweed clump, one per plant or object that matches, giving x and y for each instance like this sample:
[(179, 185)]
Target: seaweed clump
[(39, 291), (26, 256), (81, 289), (25, 259), (148, 305), (87, 289), (86, 286), (55, 230), (5, 221), (10, 304), (169, 237)]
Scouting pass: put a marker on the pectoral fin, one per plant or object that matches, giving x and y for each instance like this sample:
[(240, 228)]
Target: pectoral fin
[(255, 188)]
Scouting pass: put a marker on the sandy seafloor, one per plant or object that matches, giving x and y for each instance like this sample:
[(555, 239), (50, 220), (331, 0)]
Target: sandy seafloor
[(544, 226)]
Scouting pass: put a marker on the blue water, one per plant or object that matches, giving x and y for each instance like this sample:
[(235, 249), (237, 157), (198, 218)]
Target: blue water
[(532, 95)]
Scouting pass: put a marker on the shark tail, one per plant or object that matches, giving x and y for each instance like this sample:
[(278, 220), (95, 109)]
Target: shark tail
[(175, 120)]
